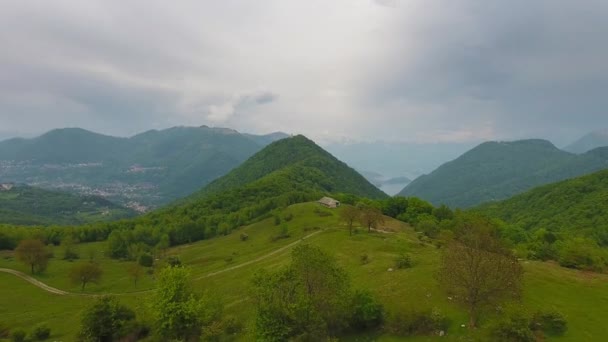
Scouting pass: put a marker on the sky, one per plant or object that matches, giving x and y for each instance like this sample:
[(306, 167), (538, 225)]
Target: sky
[(421, 71)]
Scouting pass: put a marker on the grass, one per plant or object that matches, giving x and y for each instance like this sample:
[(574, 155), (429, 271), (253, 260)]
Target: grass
[(581, 297)]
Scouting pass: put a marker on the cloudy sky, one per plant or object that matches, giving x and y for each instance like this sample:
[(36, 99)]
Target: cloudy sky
[(398, 70)]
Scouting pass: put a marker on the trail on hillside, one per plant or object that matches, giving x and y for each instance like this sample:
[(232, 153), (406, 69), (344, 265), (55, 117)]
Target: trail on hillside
[(59, 292), (276, 251), (35, 282)]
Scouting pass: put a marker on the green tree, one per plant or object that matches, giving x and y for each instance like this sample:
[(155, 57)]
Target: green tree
[(308, 300), (105, 320), (478, 270), (179, 313), (86, 272), (33, 253), (68, 244), (136, 271)]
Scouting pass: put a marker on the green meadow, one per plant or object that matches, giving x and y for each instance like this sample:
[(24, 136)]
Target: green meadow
[(224, 267)]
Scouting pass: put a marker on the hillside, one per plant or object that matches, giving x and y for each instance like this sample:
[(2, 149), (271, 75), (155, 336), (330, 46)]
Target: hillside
[(146, 170), (224, 267), (25, 205), (589, 142), (497, 170), (297, 153), (574, 207)]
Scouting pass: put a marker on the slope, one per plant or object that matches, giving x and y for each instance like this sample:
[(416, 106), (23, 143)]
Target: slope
[(25, 205), (575, 207), (149, 169), (300, 153), (588, 142), (498, 170)]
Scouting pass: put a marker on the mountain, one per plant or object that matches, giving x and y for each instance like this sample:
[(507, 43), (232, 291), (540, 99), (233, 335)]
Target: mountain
[(297, 153), (588, 142), (288, 171), (497, 170), (146, 170), (25, 205), (574, 206)]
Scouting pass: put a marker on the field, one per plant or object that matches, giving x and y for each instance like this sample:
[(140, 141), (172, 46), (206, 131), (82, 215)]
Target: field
[(224, 267)]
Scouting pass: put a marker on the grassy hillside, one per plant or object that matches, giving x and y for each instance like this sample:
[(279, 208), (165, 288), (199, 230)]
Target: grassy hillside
[(497, 170), (25, 205), (152, 168), (298, 153), (225, 267), (576, 207)]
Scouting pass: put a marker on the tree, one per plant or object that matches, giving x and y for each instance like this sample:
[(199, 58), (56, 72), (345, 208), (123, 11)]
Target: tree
[(307, 301), (33, 253), (70, 252), (136, 271), (179, 313), (86, 272), (370, 217), (105, 320), (349, 215), (478, 270)]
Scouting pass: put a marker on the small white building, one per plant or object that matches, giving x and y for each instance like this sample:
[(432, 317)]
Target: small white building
[(6, 186), (329, 202)]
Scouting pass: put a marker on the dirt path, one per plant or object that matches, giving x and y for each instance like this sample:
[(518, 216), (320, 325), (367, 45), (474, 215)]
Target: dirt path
[(35, 282), (260, 258), (59, 292)]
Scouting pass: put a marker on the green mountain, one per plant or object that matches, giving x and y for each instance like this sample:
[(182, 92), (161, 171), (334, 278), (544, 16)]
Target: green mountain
[(588, 142), (575, 207), (25, 205), (497, 170), (288, 171), (148, 169)]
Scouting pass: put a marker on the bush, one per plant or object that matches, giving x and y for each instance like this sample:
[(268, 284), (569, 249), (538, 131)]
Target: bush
[(403, 261), (288, 217), (41, 332), (174, 261), (18, 336), (551, 323), (283, 233), (232, 326), (244, 237), (367, 313), (418, 323), (364, 259), (277, 220), (513, 329), (146, 260), (5, 332)]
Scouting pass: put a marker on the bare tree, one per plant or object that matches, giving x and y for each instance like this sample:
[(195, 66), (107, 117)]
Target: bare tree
[(349, 215), (33, 253), (370, 217), (479, 271), (86, 272)]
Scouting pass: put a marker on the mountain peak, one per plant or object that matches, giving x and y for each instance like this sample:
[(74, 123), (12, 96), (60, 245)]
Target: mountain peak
[(589, 142)]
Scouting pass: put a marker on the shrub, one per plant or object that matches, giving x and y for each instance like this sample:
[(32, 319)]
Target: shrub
[(277, 220), (515, 328), (244, 237), (232, 326), (174, 261), (18, 336), (551, 323), (5, 332), (366, 311), (283, 233), (146, 260), (418, 323), (364, 259), (403, 261), (288, 217), (41, 332)]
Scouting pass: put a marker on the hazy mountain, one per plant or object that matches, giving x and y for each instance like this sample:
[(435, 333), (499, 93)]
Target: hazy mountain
[(589, 142), (497, 170), (392, 160), (25, 205), (150, 168)]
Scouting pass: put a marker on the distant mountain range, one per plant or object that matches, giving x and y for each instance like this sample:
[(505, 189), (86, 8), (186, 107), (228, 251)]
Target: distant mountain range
[(146, 170), (494, 171), (589, 142), (25, 205)]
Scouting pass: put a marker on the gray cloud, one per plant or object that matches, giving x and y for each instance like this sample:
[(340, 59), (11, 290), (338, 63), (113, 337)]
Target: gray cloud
[(410, 70)]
